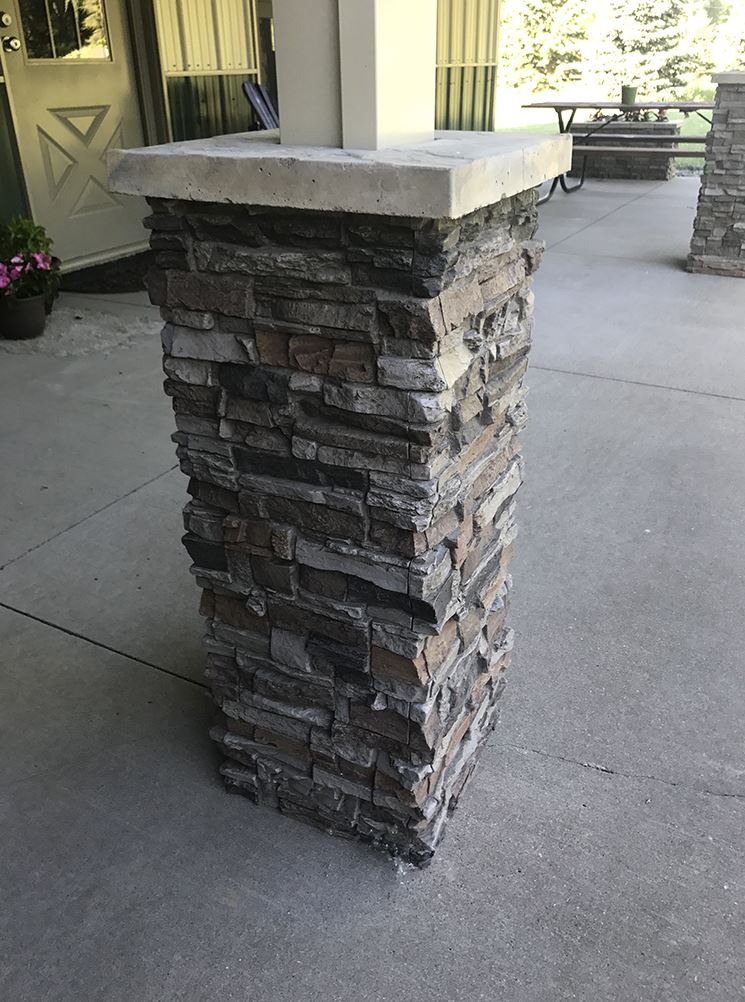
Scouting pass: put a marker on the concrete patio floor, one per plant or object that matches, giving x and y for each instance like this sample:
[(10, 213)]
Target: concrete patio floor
[(598, 853)]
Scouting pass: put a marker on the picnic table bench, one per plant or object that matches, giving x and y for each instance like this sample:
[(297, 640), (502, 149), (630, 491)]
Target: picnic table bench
[(589, 143)]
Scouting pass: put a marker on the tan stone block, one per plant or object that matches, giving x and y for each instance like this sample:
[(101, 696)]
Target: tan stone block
[(493, 588), (470, 626), (493, 468), (207, 604), (428, 733), (464, 541), (460, 302), (384, 722), (502, 282), (386, 664), (255, 532), (272, 347), (477, 448), (280, 742), (453, 739), (353, 361), (495, 619), (469, 408), (233, 612), (310, 353), (445, 526), (499, 664), (438, 649), (478, 691)]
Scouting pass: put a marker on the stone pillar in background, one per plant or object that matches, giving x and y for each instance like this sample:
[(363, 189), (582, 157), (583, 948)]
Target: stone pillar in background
[(628, 167), (718, 244), (348, 390)]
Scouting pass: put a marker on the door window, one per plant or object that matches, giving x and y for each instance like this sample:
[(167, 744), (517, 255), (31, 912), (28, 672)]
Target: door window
[(65, 29)]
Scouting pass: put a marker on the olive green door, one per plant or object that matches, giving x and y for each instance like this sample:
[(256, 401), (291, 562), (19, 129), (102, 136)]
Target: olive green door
[(12, 193), (68, 70)]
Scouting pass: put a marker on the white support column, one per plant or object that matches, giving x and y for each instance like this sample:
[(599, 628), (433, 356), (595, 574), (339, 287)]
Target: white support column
[(388, 58), (356, 73), (307, 40)]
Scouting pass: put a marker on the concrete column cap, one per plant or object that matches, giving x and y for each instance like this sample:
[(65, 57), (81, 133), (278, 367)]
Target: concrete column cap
[(453, 175)]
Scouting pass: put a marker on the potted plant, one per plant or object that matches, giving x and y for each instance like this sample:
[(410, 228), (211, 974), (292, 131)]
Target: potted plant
[(29, 277), (628, 94)]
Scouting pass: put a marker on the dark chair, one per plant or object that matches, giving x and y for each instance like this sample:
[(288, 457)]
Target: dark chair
[(259, 99)]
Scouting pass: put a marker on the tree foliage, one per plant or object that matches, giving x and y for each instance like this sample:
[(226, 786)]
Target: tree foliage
[(544, 40), (662, 46), (648, 36)]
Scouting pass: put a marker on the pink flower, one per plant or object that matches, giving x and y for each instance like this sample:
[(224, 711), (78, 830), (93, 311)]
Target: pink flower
[(17, 259), (15, 272), (43, 261), (4, 276)]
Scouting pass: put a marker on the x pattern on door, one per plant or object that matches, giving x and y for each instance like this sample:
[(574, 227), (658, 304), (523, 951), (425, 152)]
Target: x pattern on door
[(74, 158)]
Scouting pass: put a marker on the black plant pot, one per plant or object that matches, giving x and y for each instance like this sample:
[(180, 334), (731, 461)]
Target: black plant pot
[(21, 319), (54, 290)]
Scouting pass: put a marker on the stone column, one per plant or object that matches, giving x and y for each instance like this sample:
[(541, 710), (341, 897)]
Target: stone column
[(630, 167), (345, 345), (718, 244)]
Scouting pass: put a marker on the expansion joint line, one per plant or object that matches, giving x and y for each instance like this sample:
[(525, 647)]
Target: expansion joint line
[(640, 777)]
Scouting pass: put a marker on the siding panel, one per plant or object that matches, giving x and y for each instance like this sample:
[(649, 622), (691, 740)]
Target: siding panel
[(467, 52), (208, 48)]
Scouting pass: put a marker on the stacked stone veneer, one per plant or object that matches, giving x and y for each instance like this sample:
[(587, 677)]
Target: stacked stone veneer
[(718, 243), (653, 167), (348, 396)]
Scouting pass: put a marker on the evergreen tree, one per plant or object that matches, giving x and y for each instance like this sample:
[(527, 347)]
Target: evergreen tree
[(544, 41), (730, 50), (662, 46), (647, 49), (717, 11)]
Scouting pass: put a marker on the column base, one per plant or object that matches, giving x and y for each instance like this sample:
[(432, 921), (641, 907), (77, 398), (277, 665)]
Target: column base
[(710, 265)]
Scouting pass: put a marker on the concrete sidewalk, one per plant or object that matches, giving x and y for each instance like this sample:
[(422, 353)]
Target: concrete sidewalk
[(598, 853)]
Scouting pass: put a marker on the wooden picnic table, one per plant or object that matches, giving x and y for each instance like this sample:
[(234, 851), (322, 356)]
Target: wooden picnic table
[(634, 143)]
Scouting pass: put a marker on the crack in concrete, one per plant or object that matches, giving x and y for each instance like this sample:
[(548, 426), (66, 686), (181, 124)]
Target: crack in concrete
[(105, 647), (596, 767), (85, 518), (638, 382)]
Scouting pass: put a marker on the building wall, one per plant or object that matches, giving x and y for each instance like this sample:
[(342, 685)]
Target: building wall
[(467, 44), (208, 50)]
